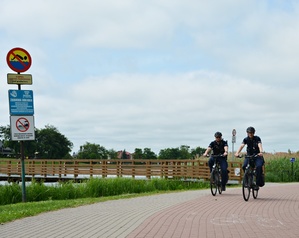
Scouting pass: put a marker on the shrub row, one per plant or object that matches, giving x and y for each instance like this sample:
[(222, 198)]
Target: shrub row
[(95, 187)]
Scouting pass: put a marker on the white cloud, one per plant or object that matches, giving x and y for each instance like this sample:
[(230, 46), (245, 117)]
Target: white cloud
[(158, 74), (132, 110)]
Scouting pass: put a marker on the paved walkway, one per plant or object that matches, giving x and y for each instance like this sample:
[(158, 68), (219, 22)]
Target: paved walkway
[(275, 213)]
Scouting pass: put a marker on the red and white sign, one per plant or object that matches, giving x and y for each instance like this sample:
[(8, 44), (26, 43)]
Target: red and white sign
[(18, 59), (22, 124), (22, 128), (234, 132)]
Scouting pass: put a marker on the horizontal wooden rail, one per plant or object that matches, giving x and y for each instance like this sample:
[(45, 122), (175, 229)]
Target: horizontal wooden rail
[(75, 169)]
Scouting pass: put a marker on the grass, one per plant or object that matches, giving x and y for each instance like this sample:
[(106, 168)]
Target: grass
[(41, 198), (12, 212)]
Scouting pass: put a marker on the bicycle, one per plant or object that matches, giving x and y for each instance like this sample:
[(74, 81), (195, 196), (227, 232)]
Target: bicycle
[(215, 176), (249, 179)]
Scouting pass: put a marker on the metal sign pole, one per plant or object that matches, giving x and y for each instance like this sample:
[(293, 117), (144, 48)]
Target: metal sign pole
[(23, 172), (22, 164), (233, 142), (233, 150)]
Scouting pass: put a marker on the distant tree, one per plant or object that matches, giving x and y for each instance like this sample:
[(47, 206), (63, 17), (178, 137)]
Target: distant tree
[(112, 154), (51, 144), (124, 155), (148, 154), (197, 152), (182, 152), (92, 151), (169, 153), (138, 154), (5, 138)]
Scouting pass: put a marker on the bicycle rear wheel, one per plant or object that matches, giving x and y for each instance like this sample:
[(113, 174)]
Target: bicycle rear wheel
[(214, 182), (219, 184), (246, 187), (255, 192)]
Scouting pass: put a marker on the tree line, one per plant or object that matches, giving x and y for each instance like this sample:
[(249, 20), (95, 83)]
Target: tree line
[(49, 143)]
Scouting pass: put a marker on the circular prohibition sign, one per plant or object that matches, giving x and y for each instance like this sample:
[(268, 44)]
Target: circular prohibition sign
[(19, 60), (22, 124)]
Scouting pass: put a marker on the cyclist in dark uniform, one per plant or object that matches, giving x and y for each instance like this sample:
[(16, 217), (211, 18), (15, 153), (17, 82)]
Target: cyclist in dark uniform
[(219, 147), (254, 147)]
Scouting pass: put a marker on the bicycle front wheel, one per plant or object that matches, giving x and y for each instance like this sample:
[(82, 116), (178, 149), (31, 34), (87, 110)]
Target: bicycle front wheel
[(246, 187), (214, 182)]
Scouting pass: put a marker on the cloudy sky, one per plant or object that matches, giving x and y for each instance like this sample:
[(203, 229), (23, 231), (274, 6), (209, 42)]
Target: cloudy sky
[(158, 74)]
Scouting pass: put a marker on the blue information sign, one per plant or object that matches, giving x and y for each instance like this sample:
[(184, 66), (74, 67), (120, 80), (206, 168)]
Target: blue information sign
[(21, 102)]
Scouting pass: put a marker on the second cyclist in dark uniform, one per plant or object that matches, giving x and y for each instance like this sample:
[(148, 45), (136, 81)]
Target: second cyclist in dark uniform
[(219, 147)]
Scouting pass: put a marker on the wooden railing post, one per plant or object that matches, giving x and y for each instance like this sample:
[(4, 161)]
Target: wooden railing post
[(119, 168), (44, 168), (60, 169), (162, 169), (76, 169), (9, 168), (133, 169), (19, 167), (32, 168), (104, 170), (166, 163), (91, 168), (148, 169), (53, 168)]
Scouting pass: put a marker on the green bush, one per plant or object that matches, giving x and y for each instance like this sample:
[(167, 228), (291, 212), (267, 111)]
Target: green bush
[(94, 187), (10, 194), (282, 170)]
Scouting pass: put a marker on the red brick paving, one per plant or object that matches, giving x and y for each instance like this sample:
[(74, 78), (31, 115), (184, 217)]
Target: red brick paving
[(275, 213)]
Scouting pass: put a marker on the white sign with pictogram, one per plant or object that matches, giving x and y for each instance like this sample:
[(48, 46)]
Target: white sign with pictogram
[(22, 128), (234, 132)]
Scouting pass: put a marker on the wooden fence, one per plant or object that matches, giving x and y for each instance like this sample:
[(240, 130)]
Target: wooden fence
[(78, 169)]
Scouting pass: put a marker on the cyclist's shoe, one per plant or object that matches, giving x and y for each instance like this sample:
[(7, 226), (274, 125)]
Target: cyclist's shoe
[(223, 188), (256, 187), (246, 184)]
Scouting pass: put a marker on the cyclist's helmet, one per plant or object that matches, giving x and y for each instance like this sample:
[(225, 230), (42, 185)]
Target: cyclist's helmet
[(250, 130), (218, 134)]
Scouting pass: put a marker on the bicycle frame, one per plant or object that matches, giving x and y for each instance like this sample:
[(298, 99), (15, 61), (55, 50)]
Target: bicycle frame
[(249, 179), (215, 177)]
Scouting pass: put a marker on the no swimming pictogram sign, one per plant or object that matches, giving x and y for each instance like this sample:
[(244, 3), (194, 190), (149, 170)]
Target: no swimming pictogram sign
[(19, 60), (22, 128), (22, 124)]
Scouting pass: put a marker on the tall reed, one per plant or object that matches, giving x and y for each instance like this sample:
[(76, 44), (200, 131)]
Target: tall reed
[(94, 187), (282, 170)]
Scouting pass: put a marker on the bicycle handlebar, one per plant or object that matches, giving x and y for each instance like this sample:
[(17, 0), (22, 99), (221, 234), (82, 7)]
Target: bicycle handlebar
[(220, 155), (251, 156), (248, 156)]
